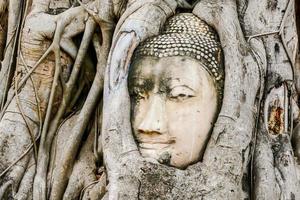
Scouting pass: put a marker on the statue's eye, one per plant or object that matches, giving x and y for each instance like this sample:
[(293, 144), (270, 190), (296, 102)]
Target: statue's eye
[(181, 93), (138, 95), (180, 97), (141, 95)]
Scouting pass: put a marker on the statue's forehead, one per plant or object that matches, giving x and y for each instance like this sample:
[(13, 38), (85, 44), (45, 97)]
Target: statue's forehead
[(168, 70), (164, 66)]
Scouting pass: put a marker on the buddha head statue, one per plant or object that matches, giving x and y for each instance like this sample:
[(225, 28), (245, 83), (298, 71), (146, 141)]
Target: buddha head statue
[(175, 84)]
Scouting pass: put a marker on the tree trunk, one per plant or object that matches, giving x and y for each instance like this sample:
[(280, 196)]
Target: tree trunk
[(65, 118)]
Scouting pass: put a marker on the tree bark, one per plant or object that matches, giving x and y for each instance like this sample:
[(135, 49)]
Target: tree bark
[(53, 147)]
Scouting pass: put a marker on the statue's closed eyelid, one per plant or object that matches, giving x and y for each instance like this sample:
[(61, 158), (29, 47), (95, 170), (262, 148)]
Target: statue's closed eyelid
[(181, 92), (185, 88)]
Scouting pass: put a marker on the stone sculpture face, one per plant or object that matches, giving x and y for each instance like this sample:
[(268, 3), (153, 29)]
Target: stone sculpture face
[(174, 107), (174, 83)]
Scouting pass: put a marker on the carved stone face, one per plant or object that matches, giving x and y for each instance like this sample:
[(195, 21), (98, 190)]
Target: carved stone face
[(174, 103)]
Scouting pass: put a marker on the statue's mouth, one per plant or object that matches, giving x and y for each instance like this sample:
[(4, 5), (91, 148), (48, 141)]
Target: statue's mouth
[(154, 142), (154, 146), (144, 140)]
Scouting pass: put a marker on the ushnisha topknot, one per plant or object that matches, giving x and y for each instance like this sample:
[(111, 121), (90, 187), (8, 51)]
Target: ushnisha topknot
[(185, 34)]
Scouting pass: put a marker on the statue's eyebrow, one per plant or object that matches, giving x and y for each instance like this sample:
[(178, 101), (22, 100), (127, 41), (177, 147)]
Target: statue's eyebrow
[(172, 83), (183, 85), (146, 84)]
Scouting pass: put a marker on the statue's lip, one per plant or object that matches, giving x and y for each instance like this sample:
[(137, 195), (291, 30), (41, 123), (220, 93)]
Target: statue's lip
[(154, 145), (156, 140)]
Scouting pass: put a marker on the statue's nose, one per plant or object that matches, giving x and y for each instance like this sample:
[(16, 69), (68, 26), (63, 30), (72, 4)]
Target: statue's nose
[(155, 120)]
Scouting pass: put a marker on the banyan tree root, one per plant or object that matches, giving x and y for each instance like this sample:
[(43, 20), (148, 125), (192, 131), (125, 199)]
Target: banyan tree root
[(104, 19), (62, 31), (14, 23), (117, 138), (48, 132), (85, 174), (129, 175), (63, 38), (227, 154), (34, 42), (60, 179), (274, 164), (15, 138)]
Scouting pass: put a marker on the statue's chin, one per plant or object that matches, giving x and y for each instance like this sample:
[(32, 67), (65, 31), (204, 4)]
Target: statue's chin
[(161, 155), (166, 157)]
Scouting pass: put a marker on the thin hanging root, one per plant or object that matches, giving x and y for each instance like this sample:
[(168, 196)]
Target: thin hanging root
[(22, 112), (76, 96), (98, 114), (39, 189), (60, 181), (97, 124), (54, 146), (33, 144), (62, 21), (27, 75), (14, 27), (48, 134), (22, 156), (69, 47), (31, 134), (86, 187), (98, 188), (19, 30), (91, 13)]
